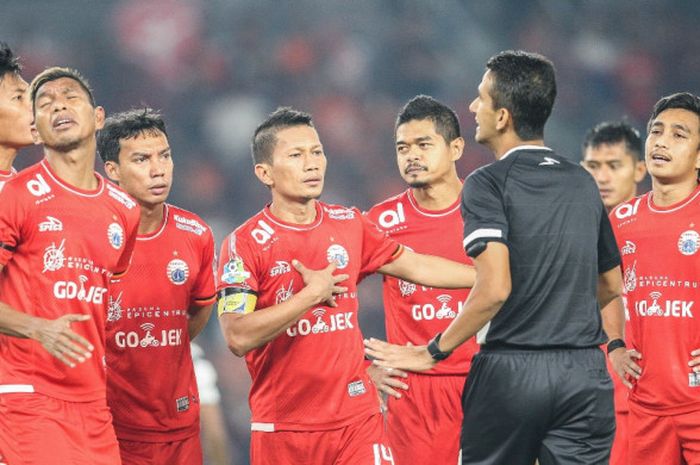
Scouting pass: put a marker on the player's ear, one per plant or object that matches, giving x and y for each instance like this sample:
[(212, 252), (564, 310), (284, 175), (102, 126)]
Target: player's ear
[(35, 134), (640, 170), (263, 172), (112, 170), (99, 118), (456, 148)]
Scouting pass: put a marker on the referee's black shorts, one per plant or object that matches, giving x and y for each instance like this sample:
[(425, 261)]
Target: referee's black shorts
[(551, 405)]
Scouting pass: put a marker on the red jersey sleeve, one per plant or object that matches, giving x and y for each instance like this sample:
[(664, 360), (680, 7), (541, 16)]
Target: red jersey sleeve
[(12, 215), (204, 290), (378, 248), (131, 222)]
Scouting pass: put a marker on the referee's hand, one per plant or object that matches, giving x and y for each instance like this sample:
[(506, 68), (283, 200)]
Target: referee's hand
[(409, 357), (623, 362)]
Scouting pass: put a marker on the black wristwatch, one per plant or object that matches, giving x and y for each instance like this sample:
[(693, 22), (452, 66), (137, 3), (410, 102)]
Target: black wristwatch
[(434, 349), (615, 344)]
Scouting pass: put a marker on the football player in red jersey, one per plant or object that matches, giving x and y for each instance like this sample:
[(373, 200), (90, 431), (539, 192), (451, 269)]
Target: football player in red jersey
[(657, 234), (612, 153), (311, 400), (151, 388), (65, 232), (424, 425), (15, 112)]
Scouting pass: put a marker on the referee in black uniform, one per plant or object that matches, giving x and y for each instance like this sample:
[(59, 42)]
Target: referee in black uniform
[(547, 262)]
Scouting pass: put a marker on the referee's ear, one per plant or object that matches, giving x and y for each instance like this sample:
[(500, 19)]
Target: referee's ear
[(504, 120)]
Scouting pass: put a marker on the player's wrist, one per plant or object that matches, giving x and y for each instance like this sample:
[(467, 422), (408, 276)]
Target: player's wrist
[(615, 344)]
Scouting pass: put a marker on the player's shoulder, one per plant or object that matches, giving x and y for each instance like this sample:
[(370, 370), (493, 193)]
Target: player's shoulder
[(25, 180), (387, 204), (119, 195), (187, 221), (633, 208)]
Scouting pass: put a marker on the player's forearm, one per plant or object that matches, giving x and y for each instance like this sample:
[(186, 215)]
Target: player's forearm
[(429, 270), (244, 333), (15, 323), (198, 318), (613, 316)]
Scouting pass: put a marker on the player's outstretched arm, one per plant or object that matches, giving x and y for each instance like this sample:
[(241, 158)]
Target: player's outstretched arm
[(429, 270), (247, 331), (197, 319)]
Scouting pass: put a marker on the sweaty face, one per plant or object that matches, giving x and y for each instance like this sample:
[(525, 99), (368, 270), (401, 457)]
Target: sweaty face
[(484, 113), (145, 168), (64, 116), (15, 112), (298, 164), (672, 150), (616, 172), (423, 155)]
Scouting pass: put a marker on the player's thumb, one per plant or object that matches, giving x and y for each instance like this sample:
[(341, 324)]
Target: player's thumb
[(298, 266), (77, 317)]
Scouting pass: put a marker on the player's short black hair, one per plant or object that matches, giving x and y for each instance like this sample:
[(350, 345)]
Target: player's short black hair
[(524, 83), (614, 132), (681, 100), (424, 107), (265, 136), (55, 73), (127, 125), (9, 62)]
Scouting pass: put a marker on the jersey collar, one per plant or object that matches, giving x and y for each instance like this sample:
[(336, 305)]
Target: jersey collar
[(525, 147)]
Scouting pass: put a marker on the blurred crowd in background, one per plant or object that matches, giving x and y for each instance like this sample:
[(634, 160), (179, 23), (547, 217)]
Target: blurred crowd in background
[(215, 68)]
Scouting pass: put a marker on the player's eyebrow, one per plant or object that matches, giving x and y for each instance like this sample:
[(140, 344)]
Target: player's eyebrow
[(417, 140)]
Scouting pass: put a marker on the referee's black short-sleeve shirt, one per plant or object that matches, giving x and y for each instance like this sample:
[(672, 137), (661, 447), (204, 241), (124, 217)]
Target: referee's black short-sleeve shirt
[(549, 213)]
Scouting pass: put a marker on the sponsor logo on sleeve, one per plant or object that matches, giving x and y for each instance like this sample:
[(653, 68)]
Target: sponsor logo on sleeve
[(688, 242), (178, 271), (115, 234), (234, 272), (51, 225), (337, 253)]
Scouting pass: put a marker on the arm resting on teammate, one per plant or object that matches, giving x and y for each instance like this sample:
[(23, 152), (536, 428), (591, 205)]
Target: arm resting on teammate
[(491, 290), (429, 270), (248, 331), (198, 318)]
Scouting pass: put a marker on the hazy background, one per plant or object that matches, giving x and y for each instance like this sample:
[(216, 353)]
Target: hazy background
[(217, 67)]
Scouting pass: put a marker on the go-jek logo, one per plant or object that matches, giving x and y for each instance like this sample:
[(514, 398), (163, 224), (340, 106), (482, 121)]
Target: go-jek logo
[(337, 322), (670, 308), (70, 290), (132, 339), (432, 312)]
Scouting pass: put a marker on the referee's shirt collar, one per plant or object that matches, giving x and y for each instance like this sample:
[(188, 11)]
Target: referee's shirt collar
[(524, 147)]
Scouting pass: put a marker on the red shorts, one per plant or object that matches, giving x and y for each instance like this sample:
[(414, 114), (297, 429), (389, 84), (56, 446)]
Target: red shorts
[(425, 425), (664, 440), (37, 430), (618, 454), (185, 452), (361, 443)]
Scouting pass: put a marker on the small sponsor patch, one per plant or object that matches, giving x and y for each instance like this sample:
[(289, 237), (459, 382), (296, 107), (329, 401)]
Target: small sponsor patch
[(629, 248), (356, 388), (51, 224), (693, 379), (178, 271), (182, 403), (337, 253), (234, 272), (689, 242), (115, 234)]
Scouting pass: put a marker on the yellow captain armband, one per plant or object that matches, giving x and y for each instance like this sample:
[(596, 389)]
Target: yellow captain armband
[(235, 300)]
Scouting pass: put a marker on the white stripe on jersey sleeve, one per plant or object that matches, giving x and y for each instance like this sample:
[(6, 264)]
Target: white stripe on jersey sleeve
[(484, 232)]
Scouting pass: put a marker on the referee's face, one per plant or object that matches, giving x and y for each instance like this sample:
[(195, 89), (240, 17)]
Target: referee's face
[(423, 156), (484, 113)]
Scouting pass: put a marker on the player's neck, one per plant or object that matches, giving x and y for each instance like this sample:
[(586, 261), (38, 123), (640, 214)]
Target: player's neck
[(509, 141), (439, 195), (668, 194), (294, 212), (7, 157), (151, 218), (75, 167)]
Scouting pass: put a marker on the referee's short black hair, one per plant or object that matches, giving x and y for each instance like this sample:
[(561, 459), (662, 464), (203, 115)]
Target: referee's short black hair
[(265, 136), (524, 84), (681, 100), (615, 132), (9, 62), (127, 125), (424, 107)]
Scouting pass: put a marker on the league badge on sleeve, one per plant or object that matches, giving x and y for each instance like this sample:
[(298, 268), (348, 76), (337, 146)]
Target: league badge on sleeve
[(115, 234), (234, 272), (178, 271), (689, 242), (337, 253)]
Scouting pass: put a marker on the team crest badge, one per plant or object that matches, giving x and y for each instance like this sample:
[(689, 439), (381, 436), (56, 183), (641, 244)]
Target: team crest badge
[(178, 271), (689, 242), (337, 253), (115, 234)]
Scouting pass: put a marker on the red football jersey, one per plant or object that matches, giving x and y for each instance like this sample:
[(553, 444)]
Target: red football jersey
[(312, 376), (414, 313), (151, 388), (660, 250), (60, 247), (6, 176)]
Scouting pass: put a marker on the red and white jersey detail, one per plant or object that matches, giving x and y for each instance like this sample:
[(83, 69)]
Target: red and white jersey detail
[(660, 250), (414, 313), (151, 388), (6, 176), (312, 376), (60, 247)]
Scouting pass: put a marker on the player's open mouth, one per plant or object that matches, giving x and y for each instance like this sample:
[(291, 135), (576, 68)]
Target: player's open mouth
[(415, 169), (63, 123), (659, 158)]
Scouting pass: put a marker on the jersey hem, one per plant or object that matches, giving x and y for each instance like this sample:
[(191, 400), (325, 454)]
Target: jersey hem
[(663, 411), (275, 426)]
